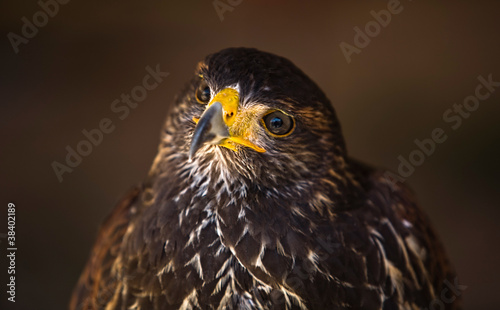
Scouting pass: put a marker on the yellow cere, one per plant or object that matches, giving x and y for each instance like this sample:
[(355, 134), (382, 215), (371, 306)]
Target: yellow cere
[(229, 99), (238, 123)]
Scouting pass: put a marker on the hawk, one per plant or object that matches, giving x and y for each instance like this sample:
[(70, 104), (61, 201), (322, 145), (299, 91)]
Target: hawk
[(253, 203)]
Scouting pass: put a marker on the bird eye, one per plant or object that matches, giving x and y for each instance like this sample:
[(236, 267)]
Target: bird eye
[(203, 93), (278, 123)]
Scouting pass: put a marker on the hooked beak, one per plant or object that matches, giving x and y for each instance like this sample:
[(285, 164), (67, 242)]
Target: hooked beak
[(219, 124), (210, 128)]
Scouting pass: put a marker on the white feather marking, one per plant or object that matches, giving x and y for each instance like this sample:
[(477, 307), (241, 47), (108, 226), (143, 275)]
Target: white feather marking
[(405, 253), (190, 302), (224, 266), (245, 231), (392, 272), (223, 281), (167, 268), (407, 224), (192, 236), (196, 263), (292, 297), (313, 258), (241, 214)]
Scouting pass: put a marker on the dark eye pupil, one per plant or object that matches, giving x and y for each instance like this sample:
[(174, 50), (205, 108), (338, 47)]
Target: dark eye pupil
[(276, 122), (205, 94)]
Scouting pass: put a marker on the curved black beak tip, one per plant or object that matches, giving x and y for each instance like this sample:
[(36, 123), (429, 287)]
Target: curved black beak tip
[(210, 129)]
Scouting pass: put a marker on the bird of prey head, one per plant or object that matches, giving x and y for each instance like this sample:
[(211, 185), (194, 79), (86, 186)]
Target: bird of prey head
[(253, 118)]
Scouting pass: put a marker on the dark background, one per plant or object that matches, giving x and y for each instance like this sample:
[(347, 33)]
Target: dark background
[(396, 90)]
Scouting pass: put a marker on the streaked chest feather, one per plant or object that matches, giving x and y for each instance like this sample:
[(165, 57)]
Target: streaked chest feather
[(223, 251)]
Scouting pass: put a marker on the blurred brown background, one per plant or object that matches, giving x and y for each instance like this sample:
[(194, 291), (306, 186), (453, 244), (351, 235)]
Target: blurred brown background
[(396, 90)]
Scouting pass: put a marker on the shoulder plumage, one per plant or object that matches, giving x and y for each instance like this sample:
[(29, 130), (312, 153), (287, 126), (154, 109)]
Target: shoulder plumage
[(96, 286)]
